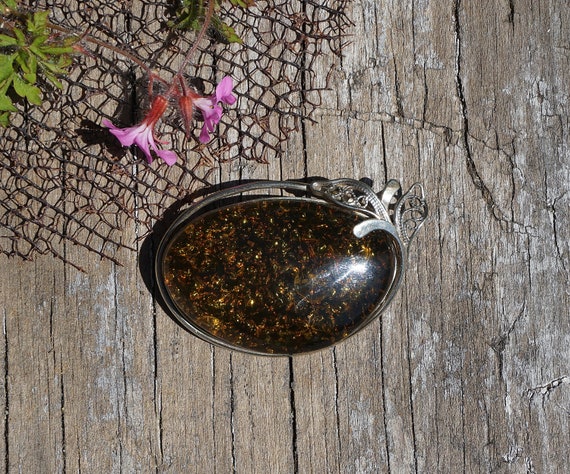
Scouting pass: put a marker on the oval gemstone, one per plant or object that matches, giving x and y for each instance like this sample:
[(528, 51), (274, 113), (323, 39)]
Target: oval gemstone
[(277, 275)]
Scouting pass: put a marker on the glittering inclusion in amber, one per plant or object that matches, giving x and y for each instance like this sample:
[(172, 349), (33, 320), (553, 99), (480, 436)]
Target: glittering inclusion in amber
[(278, 276)]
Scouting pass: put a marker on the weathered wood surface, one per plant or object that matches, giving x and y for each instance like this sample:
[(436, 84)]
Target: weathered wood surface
[(468, 371)]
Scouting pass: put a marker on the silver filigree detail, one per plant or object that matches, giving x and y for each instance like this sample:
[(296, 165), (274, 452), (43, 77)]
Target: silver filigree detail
[(406, 213), (351, 194), (410, 213)]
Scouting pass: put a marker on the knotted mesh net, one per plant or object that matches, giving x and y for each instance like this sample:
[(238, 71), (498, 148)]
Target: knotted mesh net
[(65, 180)]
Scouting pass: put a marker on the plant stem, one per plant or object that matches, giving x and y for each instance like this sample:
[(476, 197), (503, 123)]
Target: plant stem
[(104, 44), (190, 53)]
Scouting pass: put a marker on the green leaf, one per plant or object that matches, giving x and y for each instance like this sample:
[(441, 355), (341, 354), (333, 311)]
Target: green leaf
[(6, 104), (37, 24), (38, 41), (71, 41), (4, 119), (6, 66), (20, 36), (6, 40), (53, 67), (63, 62), (189, 15), (30, 77), (9, 4), (5, 85), (28, 50), (226, 32), (57, 50), (243, 3), (53, 79), (30, 68), (21, 58), (30, 92), (37, 46)]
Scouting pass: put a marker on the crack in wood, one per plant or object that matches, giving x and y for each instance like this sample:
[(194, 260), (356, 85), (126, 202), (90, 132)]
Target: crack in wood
[(294, 434), (555, 225), (545, 389), (476, 179), (232, 415), (7, 444), (499, 344)]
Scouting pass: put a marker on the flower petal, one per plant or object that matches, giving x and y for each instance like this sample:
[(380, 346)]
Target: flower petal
[(168, 156), (143, 140), (214, 114), (127, 136), (204, 134), (204, 104), (224, 91)]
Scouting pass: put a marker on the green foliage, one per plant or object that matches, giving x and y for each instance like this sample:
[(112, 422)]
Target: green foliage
[(28, 48), (190, 16), (242, 3), (8, 5)]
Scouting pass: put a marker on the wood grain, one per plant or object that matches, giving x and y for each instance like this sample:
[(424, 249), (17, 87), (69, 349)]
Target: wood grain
[(468, 370)]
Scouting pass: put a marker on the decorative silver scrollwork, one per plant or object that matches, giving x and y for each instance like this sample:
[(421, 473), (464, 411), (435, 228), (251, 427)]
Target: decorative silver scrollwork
[(410, 213), (351, 194), (405, 212)]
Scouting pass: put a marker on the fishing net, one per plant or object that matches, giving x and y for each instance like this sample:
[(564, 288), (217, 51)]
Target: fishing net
[(65, 180)]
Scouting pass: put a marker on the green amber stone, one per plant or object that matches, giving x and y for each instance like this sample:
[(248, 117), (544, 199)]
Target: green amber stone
[(278, 275)]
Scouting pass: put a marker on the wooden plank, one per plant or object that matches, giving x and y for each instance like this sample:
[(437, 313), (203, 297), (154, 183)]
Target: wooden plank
[(33, 386)]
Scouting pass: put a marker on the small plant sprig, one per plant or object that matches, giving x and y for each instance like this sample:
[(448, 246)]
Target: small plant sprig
[(29, 46)]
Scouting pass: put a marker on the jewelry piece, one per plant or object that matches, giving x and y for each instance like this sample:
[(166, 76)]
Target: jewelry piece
[(281, 275)]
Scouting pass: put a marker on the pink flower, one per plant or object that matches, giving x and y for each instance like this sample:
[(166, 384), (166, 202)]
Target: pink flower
[(142, 135), (208, 106)]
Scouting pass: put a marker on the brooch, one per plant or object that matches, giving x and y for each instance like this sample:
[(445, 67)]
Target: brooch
[(293, 267)]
